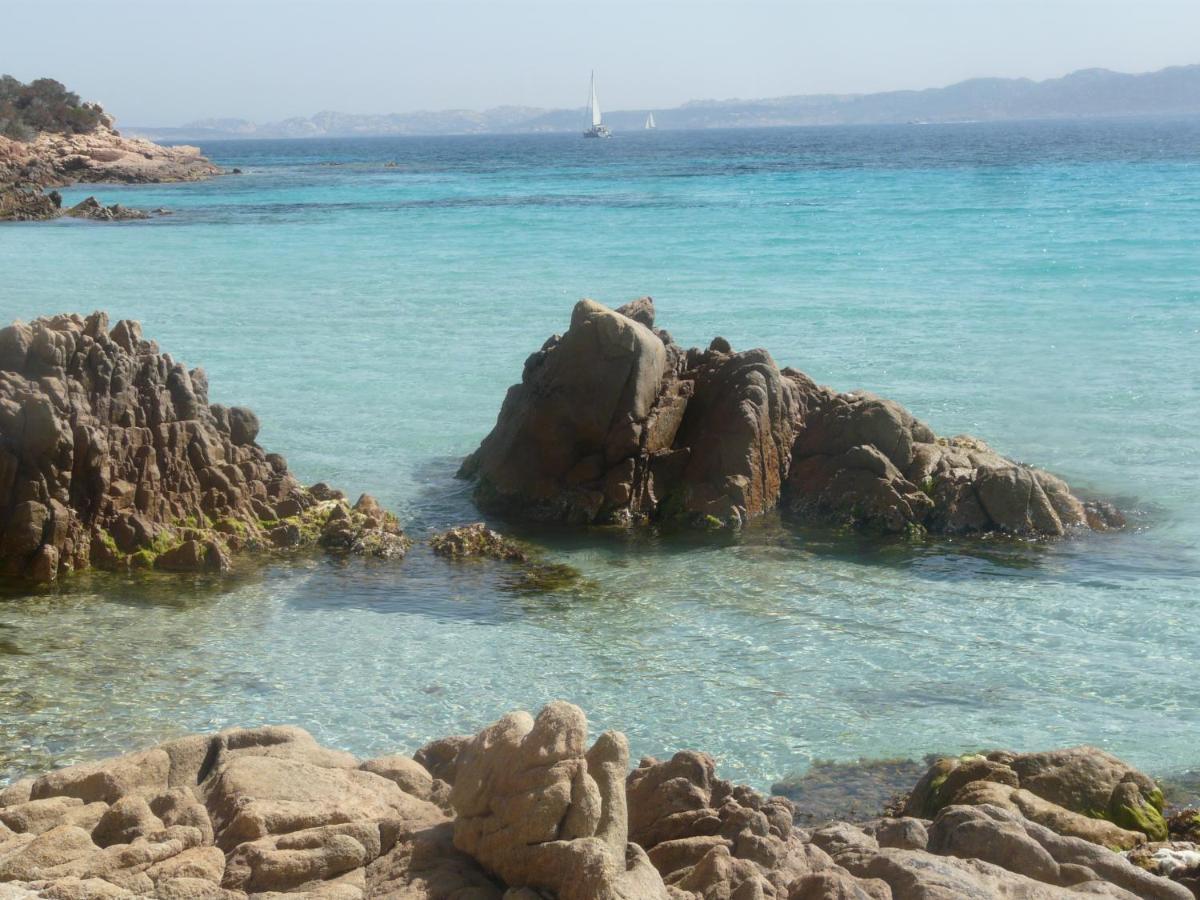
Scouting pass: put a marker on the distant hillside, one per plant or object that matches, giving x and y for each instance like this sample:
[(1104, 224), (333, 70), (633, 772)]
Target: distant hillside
[(1087, 93)]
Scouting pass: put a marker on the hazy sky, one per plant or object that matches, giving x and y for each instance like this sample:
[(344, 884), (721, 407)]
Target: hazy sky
[(165, 62)]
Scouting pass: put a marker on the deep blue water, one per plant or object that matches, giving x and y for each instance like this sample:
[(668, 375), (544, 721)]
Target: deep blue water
[(1034, 284)]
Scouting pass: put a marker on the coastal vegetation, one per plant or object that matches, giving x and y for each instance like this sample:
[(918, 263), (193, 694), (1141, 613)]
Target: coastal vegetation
[(44, 105)]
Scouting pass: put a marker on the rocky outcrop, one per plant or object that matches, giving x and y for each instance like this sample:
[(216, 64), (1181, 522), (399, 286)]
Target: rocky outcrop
[(524, 809), (614, 423), (103, 155), (1082, 791), (540, 810), (477, 541), (529, 572), (111, 456), (91, 208), (28, 203)]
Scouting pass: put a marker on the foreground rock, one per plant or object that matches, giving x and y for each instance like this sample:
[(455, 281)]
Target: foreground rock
[(1082, 791), (525, 809), (615, 423), (111, 456)]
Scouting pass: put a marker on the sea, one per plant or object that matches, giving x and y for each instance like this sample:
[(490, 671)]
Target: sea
[(1035, 284)]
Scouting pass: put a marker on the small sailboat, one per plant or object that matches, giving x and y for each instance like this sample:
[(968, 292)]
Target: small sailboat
[(598, 129), (650, 126)]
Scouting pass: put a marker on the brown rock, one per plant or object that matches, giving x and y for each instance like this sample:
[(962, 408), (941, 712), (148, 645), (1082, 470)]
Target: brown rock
[(110, 453), (143, 774), (251, 797), (537, 810), (613, 423)]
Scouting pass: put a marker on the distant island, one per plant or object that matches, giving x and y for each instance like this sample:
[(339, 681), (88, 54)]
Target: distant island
[(1084, 94)]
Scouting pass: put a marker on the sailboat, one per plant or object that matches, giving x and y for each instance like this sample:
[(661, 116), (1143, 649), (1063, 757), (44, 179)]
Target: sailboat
[(598, 129), (650, 126)]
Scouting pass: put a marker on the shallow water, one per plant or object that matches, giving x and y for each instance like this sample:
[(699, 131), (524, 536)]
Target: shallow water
[(1037, 285)]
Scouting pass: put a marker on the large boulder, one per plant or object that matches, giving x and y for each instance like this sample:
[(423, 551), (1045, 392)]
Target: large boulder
[(577, 415), (539, 809), (615, 423), (111, 456), (1081, 791)]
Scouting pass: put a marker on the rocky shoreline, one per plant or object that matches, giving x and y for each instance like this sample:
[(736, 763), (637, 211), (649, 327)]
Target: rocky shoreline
[(112, 457), (525, 809), (615, 423), (103, 155)]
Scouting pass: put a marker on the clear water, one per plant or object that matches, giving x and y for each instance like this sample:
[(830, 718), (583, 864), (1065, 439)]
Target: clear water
[(1037, 285)]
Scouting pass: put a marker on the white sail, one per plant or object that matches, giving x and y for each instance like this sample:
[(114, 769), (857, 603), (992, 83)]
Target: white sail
[(650, 121), (595, 104)]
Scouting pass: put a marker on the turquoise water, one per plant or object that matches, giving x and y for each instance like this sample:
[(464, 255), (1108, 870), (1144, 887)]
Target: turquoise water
[(1037, 285)]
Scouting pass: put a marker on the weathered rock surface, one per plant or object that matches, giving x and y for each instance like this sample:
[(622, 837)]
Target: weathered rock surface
[(103, 155), (539, 809), (614, 423), (54, 160), (91, 208), (477, 541), (28, 203), (112, 457), (1082, 791), (523, 810), (530, 572)]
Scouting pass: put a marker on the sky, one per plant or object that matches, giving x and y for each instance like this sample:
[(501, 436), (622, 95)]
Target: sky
[(167, 62)]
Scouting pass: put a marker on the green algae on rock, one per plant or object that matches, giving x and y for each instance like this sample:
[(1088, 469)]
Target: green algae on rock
[(1082, 791), (112, 457), (531, 574)]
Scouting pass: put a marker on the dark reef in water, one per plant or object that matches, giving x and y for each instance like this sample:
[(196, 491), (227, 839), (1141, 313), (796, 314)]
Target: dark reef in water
[(613, 422)]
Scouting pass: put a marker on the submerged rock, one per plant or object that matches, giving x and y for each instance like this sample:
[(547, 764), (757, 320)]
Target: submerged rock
[(112, 457), (477, 541), (524, 809), (614, 423), (531, 575)]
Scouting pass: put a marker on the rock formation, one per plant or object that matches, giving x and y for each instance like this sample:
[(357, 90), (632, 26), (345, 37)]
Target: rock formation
[(100, 156), (112, 457), (103, 155), (531, 573), (1082, 791), (615, 423), (91, 208), (522, 810)]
